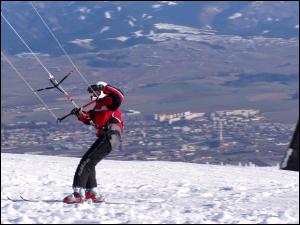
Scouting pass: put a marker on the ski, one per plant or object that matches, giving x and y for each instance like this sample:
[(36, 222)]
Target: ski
[(13, 200), (24, 199), (21, 199), (28, 200), (39, 200)]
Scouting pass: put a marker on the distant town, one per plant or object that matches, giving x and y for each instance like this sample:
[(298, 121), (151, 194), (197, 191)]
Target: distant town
[(234, 137)]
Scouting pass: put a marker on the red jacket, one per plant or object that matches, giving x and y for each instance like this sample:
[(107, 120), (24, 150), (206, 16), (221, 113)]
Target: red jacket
[(105, 109)]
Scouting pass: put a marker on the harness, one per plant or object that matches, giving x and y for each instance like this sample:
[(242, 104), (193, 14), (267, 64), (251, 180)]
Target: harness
[(107, 131)]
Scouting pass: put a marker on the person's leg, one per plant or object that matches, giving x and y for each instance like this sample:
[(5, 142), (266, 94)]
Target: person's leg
[(91, 187), (91, 191), (114, 143), (92, 182), (86, 168)]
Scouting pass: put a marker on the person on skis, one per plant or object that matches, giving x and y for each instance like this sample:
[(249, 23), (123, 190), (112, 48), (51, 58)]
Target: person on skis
[(107, 118)]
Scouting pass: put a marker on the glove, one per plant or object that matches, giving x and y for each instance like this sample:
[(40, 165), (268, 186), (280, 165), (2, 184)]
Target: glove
[(76, 111)]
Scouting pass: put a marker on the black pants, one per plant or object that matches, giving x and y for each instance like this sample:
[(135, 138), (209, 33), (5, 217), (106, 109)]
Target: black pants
[(85, 175)]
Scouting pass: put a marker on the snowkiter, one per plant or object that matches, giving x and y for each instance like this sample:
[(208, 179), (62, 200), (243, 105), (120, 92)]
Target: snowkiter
[(107, 118)]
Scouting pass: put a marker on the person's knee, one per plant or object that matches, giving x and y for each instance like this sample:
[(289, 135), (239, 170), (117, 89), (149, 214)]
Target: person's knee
[(91, 165)]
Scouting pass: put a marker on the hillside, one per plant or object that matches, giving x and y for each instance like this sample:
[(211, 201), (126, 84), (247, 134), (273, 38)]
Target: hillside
[(173, 56)]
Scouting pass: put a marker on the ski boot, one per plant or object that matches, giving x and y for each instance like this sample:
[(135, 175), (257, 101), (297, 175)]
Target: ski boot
[(76, 197), (91, 194)]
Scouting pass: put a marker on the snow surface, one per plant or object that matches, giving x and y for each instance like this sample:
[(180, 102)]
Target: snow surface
[(148, 192)]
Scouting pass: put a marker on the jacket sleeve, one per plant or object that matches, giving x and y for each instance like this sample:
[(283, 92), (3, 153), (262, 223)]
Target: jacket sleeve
[(114, 97), (85, 118)]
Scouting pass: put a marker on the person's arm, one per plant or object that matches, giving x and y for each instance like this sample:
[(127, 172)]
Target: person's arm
[(83, 116), (114, 97)]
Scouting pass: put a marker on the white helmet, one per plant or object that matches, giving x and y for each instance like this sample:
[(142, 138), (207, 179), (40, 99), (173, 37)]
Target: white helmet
[(102, 95), (102, 83)]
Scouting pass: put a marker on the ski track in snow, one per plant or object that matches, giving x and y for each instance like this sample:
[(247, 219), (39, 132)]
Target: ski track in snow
[(152, 192)]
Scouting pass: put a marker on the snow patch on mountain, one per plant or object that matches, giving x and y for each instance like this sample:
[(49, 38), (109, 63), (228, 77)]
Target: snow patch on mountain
[(145, 16), (107, 15), (119, 8), (156, 6), (30, 55), (85, 43), (132, 18), (82, 17), (83, 9), (235, 16), (120, 38), (179, 28), (138, 33), (104, 29), (163, 3), (166, 31), (169, 2), (131, 23)]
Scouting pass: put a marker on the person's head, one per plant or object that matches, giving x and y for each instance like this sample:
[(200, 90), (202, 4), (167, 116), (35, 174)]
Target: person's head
[(96, 90)]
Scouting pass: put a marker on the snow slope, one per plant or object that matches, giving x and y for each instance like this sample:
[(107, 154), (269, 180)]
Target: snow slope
[(149, 192)]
